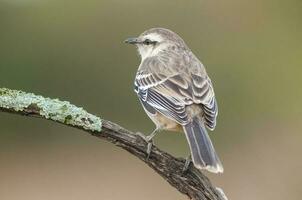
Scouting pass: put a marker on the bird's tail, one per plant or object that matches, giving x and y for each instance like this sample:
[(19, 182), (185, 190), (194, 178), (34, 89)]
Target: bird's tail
[(202, 150)]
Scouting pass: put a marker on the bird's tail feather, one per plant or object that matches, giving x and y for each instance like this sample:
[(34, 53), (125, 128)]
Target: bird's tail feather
[(202, 150)]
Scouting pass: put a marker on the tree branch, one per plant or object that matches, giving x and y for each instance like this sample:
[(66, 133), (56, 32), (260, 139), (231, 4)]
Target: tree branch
[(193, 183)]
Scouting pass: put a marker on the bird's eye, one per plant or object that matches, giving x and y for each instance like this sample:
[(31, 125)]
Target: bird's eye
[(148, 42)]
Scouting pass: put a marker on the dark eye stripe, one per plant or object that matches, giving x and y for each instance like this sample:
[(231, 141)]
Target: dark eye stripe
[(148, 42)]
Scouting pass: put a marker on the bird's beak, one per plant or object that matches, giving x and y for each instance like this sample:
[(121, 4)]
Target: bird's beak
[(132, 41)]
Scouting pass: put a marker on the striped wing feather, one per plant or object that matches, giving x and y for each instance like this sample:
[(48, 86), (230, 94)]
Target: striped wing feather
[(170, 94)]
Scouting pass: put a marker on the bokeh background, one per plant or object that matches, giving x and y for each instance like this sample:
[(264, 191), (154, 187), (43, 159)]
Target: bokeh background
[(73, 50)]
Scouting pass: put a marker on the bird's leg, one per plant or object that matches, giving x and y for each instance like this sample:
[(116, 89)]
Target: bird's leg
[(187, 164), (150, 137), (149, 140)]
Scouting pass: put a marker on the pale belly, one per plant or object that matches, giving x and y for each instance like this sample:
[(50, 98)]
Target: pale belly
[(165, 123)]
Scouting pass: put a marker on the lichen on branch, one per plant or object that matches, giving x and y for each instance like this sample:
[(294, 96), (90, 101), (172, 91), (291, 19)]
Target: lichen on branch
[(54, 109)]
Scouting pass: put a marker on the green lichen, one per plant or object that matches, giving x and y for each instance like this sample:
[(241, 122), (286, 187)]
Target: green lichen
[(3, 91), (54, 109)]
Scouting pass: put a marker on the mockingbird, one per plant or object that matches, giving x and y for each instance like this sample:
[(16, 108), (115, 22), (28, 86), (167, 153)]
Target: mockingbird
[(176, 93)]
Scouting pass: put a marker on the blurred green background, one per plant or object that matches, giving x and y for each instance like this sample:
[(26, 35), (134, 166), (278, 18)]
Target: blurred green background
[(74, 50)]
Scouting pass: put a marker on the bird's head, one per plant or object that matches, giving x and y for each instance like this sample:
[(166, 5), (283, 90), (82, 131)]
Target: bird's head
[(153, 41)]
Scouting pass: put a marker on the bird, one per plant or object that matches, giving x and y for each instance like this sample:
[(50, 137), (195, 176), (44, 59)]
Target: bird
[(177, 94)]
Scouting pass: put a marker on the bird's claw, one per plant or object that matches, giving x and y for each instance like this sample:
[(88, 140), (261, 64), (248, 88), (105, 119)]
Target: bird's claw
[(187, 164), (149, 148), (149, 140)]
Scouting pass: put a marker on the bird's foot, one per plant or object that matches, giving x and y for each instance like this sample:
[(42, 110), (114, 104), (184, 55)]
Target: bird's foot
[(149, 141), (149, 147), (187, 164)]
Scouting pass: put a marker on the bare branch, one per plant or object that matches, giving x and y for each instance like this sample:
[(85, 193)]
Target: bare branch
[(193, 183)]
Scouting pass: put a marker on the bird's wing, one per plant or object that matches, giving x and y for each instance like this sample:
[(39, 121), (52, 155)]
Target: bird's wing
[(170, 92), (155, 95), (204, 94)]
